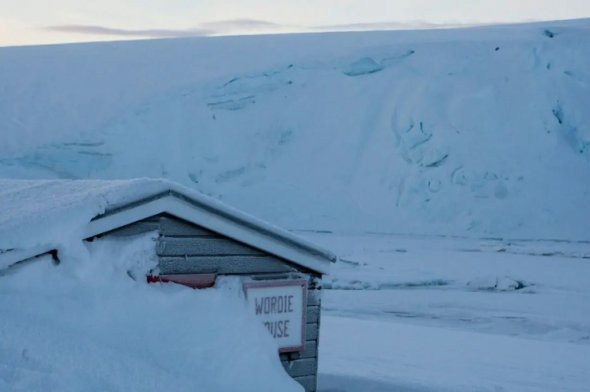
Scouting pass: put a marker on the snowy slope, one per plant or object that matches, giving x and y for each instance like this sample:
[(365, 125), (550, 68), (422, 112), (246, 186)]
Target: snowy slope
[(471, 132)]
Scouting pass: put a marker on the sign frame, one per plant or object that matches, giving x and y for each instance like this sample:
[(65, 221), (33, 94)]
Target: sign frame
[(285, 283)]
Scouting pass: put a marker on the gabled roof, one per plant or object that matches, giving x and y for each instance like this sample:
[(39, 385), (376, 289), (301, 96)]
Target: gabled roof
[(39, 216)]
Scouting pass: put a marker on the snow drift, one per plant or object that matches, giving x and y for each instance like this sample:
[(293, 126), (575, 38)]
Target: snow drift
[(473, 132), (85, 325)]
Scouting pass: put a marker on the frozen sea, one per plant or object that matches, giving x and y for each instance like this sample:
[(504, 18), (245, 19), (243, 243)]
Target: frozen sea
[(417, 314)]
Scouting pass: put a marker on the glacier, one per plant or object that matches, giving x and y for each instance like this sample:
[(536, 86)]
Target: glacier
[(478, 132)]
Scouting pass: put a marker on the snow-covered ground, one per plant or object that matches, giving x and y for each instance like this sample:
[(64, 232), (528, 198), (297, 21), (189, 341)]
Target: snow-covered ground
[(415, 314), (400, 313), (86, 325)]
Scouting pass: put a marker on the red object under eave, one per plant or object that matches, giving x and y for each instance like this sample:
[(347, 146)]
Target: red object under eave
[(194, 281)]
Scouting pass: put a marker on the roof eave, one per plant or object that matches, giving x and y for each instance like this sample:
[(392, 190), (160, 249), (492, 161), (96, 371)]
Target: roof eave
[(233, 226)]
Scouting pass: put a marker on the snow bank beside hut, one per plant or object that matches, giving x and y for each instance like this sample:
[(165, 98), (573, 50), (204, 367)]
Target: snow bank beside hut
[(92, 323)]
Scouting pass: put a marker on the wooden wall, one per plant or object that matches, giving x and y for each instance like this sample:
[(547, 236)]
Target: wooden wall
[(184, 248)]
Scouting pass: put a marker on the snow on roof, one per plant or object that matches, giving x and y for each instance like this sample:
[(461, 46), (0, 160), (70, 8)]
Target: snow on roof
[(41, 215)]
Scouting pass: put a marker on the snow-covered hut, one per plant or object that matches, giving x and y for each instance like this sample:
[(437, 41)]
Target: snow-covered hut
[(198, 240)]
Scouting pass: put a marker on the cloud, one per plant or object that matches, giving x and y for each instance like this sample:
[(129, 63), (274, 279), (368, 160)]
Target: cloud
[(235, 26), (145, 33), (243, 26), (406, 25)]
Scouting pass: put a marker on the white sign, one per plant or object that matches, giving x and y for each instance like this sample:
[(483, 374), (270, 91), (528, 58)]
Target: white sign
[(280, 305)]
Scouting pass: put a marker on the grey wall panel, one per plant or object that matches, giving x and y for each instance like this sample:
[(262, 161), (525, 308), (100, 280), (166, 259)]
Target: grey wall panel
[(314, 297), (308, 382), (199, 246), (224, 265), (135, 229), (173, 227), (311, 331), (301, 367), (312, 315), (310, 350)]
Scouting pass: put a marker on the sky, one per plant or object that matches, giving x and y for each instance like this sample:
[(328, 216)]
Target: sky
[(30, 22)]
